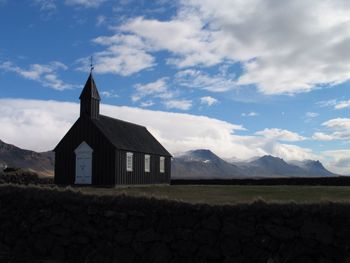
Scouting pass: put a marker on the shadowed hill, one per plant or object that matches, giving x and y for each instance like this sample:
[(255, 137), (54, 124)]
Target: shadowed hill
[(12, 156)]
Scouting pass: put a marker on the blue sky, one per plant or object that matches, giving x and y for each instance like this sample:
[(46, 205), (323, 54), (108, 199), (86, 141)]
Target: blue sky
[(268, 78)]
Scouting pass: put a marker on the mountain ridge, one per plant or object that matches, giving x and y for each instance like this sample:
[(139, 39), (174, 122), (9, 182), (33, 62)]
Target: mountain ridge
[(262, 167), (194, 164), (203, 164)]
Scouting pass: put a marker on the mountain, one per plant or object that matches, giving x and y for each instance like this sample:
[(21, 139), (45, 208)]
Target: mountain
[(313, 167), (12, 156), (204, 164), (196, 164), (269, 166)]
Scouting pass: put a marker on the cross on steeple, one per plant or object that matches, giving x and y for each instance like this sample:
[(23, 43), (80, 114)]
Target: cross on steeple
[(91, 65)]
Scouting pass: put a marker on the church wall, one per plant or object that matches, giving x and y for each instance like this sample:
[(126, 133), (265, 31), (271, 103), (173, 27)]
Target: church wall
[(108, 164), (103, 157), (138, 175)]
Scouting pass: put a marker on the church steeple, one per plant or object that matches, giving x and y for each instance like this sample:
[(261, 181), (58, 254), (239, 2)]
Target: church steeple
[(90, 100)]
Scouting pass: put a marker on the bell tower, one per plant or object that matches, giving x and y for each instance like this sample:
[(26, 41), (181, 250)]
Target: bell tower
[(90, 100)]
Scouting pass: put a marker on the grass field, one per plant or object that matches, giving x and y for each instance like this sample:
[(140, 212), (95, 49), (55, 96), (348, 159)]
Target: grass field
[(231, 194)]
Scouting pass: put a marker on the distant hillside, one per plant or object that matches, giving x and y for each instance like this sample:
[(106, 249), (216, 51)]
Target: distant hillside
[(269, 166), (313, 167), (12, 156), (203, 164)]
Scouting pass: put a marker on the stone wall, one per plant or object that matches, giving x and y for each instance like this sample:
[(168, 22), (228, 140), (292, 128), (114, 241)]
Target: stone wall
[(41, 223)]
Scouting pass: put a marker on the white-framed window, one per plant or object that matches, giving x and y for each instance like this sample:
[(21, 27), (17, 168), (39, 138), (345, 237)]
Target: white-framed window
[(129, 161), (161, 164), (147, 163)]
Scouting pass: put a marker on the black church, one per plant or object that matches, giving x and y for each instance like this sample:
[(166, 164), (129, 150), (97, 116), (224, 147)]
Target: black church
[(99, 150)]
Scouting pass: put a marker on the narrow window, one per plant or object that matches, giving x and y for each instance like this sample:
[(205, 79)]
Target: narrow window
[(129, 160), (161, 164), (147, 163)]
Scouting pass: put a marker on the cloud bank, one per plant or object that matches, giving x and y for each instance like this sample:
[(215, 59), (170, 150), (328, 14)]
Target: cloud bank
[(39, 125), (337, 129)]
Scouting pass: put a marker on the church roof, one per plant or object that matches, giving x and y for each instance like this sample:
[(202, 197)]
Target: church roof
[(129, 136), (90, 89)]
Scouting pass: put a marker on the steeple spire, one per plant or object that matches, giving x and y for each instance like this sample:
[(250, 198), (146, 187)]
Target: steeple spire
[(90, 99), (91, 65)]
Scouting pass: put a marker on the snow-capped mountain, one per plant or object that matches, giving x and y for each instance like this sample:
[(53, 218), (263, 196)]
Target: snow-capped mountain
[(204, 164)]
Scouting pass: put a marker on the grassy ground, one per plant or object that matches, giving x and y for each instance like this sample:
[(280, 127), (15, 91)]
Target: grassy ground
[(231, 194)]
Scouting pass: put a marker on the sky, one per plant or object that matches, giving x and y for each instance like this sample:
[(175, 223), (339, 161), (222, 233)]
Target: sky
[(243, 78)]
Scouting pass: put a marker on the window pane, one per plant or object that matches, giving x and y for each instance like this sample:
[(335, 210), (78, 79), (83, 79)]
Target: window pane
[(161, 164), (147, 163), (129, 160)]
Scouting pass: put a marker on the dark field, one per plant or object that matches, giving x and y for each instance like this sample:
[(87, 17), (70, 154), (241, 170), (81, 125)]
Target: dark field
[(215, 192), (229, 194), (336, 180)]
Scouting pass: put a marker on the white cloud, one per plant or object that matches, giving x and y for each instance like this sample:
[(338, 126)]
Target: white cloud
[(283, 48), (339, 129), (290, 152), (146, 104), (342, 104), (196, 79), (85, 3), (250, 114), (45, 74), (183, 36), (178, 104), (100, 20), (279, 134), (338, 105), (320, 136), (158, 88), (284, 42), (36, 125), (327, 103), (207, 100), (109, 94), (39, 125), (338, 124), (120, 60), (46, 5), (340, 161), (124, 55), (311, 115)]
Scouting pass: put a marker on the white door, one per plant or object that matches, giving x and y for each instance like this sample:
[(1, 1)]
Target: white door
[(83, 164), (83, 170)]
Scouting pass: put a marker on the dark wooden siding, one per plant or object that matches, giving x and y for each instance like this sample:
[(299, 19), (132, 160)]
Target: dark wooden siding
[(103, 158), (138, 175)]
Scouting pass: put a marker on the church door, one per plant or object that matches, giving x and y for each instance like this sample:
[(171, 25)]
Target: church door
[(83, 164)]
